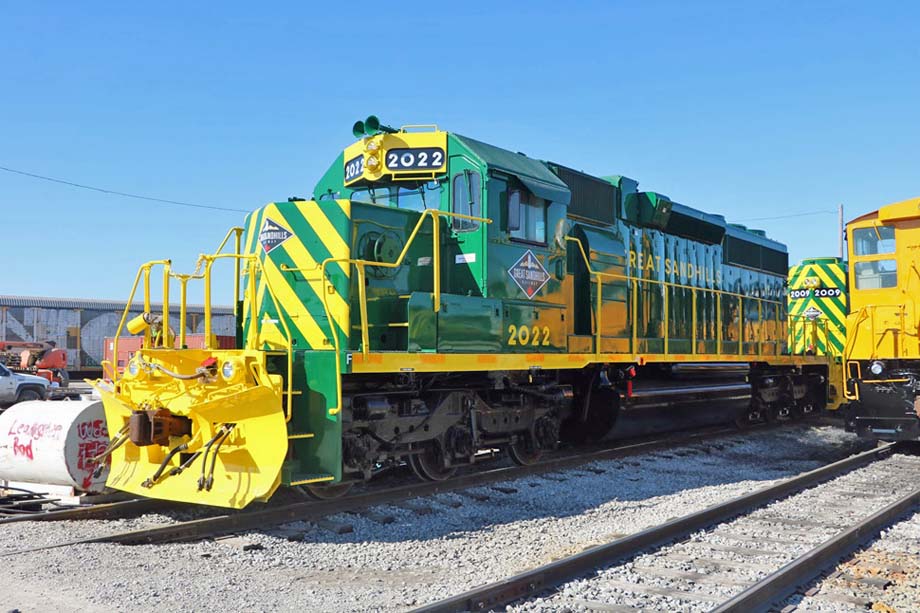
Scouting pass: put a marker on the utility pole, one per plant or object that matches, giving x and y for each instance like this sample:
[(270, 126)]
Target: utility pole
[(840, 229)]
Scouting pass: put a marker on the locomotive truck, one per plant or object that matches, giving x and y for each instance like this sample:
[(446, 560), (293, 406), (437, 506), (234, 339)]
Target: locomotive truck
[(437, 296)]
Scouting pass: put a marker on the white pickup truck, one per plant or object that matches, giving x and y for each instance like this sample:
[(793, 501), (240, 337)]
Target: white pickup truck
[(16, 387)]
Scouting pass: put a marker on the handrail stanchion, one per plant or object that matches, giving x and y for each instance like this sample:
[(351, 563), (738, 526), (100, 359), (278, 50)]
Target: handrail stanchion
[(741, 319), (146, 304), (597, 319), (207, 301), (436, 262), (121, 324), (693, 321), (362, 301), (236, 278), (183, 308), (635, 315), (667, 317), (165, 330), (719, 323)]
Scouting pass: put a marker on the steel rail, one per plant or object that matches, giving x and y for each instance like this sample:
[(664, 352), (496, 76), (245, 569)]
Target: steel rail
[(787, 580), (536, 580), (94, 511), (263, 518)]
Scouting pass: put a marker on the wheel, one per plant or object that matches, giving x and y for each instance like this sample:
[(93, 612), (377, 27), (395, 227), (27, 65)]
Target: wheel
[(65, 378), (25, 395), (428, 465), (326, 492), (523, 452)]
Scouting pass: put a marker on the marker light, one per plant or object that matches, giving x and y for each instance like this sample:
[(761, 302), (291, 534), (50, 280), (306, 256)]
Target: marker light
[(877, 368)]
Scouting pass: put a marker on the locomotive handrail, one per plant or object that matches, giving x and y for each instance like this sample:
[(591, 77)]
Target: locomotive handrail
[(806, 321), (634, 281), (203, 271), (144, 270), (360, 265)]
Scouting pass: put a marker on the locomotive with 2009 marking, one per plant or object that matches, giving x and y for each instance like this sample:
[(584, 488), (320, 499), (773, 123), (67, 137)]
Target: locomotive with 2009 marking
[(818, 306), (438, 296)]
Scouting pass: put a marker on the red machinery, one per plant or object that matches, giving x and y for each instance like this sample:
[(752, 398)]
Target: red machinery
[(42, 359)]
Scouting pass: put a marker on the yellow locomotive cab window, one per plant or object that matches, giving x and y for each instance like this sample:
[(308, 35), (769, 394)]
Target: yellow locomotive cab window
[(877, 274), (873, 241)]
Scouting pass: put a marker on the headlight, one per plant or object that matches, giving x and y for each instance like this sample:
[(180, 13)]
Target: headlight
[(877, 368), (228, 370), (133, 368)]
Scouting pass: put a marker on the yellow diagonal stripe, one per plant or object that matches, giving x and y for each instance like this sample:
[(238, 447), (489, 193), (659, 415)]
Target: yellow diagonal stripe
[(293, 306), (302, 258), (327, 233)]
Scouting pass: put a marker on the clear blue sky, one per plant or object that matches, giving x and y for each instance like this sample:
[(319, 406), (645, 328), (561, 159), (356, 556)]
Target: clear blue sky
[(748, 111)]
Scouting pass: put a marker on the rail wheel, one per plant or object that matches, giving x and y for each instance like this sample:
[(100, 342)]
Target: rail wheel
[(523, 452), (428, 464), (326, 492)]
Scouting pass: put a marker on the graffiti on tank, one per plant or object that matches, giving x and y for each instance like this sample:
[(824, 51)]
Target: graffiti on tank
[(36, 431), (23, 449), (92, 429), (93, 437)]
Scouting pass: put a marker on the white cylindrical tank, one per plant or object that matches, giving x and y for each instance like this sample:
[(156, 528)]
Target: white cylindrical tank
[(53, 443)]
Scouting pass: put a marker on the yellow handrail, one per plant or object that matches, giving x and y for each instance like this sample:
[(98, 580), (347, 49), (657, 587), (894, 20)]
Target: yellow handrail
[(634, 281), (360, 265), (144, 271)]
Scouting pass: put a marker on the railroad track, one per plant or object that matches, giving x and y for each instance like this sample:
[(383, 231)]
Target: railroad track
[(758, 536), (19, 503), (105, 510), (242, 521)]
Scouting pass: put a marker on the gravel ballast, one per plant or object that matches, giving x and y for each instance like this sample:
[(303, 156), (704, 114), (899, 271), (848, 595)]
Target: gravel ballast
[(420, 557)]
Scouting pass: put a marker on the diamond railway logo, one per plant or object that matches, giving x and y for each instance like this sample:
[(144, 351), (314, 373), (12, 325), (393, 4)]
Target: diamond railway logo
[(529, 274), (273, 234), (812, 313)]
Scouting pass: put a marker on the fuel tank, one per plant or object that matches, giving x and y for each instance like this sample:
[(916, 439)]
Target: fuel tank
[(53, 443)]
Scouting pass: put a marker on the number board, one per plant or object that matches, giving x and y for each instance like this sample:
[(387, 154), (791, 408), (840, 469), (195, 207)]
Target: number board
[(421, 158), (354, 168), (818, 292)]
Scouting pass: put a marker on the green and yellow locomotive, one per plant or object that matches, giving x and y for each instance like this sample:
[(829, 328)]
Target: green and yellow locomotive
[(818, 307), (438, 296)]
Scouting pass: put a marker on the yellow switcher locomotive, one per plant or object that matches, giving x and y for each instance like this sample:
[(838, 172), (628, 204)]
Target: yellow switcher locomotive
[(437, 296), (882, 353)]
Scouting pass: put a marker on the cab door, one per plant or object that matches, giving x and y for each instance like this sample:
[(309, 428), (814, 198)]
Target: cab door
[(463, 263)]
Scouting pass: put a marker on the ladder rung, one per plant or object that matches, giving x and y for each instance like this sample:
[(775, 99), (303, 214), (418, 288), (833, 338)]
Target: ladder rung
[(302, 435)]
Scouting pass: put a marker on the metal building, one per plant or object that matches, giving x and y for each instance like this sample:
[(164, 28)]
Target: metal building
[(81, 325)]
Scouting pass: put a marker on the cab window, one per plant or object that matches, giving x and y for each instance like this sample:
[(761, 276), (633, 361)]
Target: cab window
[(526, 217), (873, 241), (411, 197), (466, 190), (877, 274)]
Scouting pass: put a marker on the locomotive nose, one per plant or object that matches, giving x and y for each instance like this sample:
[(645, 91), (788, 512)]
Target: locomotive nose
[(197, 426)]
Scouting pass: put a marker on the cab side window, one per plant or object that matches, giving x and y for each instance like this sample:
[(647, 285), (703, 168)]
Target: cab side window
[(466, 192), (526, 217)]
